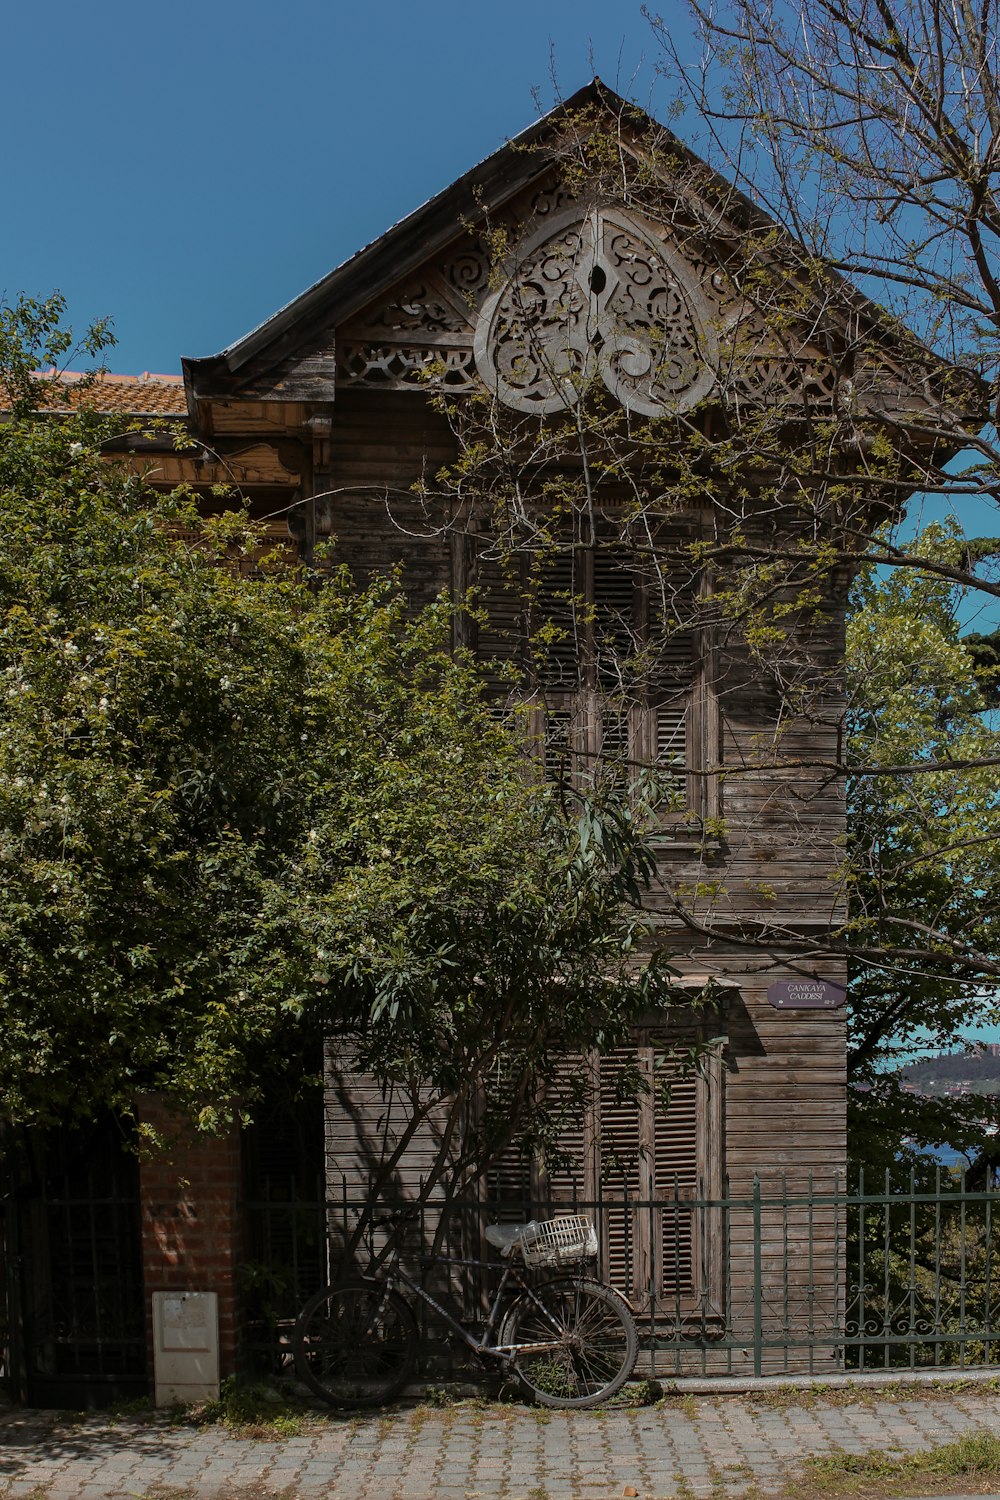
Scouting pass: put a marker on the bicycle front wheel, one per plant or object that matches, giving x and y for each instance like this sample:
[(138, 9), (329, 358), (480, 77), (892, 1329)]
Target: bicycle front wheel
[(591, 1337), (355, 1345)]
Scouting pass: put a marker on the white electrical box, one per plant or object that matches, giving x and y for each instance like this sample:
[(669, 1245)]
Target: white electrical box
[(185, 1347)]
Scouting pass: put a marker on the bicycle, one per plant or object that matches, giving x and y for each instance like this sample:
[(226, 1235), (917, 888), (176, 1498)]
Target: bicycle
[(570, 1342)]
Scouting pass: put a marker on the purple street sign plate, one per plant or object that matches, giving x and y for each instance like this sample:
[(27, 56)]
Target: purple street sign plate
[(805, 994)]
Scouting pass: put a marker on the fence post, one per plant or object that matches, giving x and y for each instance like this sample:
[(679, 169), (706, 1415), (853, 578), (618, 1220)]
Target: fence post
[(758, 1310)]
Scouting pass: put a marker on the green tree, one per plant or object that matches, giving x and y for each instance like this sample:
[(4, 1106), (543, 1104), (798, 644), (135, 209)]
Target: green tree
[(238, 808), (923, 854)]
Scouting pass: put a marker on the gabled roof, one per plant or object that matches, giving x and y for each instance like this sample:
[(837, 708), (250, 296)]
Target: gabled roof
[(412, 242)]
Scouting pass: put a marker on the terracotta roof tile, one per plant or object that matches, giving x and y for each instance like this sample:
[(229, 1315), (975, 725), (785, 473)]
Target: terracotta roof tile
[(130, 395)]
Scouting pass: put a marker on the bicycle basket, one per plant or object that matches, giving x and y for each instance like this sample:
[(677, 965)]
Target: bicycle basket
[(558, 1241)]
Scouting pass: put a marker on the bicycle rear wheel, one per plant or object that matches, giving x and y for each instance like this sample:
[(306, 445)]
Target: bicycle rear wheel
[(595, 1337), (355, 1345)]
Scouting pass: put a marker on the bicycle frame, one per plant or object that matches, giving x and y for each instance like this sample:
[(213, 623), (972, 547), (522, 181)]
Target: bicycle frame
[(394, 1275)]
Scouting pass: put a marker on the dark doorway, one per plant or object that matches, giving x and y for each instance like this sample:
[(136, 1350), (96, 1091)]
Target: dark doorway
[(284, 1221), (71, 1268)]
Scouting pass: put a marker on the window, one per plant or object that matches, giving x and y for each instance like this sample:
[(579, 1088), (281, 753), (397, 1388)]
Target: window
[(637, 1142), (604, 641)]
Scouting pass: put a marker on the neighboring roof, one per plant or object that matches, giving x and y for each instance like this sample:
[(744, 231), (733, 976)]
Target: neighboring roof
[(142, 395)]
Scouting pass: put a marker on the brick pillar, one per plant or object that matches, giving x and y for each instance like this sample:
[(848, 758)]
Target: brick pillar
[(190, 1225)]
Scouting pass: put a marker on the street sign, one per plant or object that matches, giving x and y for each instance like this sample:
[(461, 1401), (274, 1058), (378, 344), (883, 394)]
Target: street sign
[(805, 994)]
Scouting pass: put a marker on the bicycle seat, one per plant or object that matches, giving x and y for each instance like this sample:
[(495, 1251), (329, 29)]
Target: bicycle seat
[(503, 1237)]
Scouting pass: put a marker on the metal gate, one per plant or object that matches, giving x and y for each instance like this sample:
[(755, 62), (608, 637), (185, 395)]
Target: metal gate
[(71, 1269)]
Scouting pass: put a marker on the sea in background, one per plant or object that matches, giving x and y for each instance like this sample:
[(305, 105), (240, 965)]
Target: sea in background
[(947, 1156)]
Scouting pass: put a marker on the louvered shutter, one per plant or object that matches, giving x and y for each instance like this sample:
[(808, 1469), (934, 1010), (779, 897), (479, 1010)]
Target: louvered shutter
[(500, 601), (672, 584), (671, 733), (615, 636), (672, 658), (648, 1160), (675, 1136), (629, 1147), (624, 1170), (562, 1177), (615, 748), (568, 1175), (557, 743), (557, 627), (364, 1125), (509, 1186), (672, 741)]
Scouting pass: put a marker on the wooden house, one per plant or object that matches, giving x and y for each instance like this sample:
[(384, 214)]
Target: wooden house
[(533, 387), (593, 265)]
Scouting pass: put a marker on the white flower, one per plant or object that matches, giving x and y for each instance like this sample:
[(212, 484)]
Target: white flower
[(75, 449)]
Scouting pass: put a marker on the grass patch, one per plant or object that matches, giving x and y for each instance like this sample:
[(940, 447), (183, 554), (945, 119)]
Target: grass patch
[(780, 1397), (252, 1411), (974, 1456)]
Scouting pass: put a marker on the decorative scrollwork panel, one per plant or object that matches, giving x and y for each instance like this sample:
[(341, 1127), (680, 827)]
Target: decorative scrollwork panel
[(396, 367), (597, 298)]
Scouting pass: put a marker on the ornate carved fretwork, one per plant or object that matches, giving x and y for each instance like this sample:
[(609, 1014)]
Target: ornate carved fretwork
[(428, 307), (468, 272), (660, 316), (423, 335), (597, 297), (394, 366)]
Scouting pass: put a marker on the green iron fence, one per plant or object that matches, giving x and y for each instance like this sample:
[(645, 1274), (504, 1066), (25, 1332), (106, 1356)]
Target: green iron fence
[(782, 1277)]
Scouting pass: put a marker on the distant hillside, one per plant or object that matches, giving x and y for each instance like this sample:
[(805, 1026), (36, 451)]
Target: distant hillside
[(980, 1070)]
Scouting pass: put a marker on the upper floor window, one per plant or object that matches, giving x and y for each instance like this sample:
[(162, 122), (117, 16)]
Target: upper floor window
[(604, 641)]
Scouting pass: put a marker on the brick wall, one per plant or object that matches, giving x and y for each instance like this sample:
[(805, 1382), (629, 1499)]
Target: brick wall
[(190, 1224)]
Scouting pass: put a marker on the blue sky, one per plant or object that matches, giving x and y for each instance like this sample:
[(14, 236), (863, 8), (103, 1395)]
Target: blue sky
[(188, 169)]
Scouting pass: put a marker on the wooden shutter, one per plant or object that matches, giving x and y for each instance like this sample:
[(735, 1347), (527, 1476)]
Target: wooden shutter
[(671, 747), (365, 1123), (630, 1157), (500, 601), (569, 1175), (624, 1151), (557, 743), (672, 742), (614, 599), (615, 734), (509, 1186), (648, 1158), (565, 1176), (675, 1137), (557, 628)]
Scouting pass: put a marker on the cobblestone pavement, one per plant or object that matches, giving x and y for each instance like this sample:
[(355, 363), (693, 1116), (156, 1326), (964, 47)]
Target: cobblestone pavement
[(686, 1446)]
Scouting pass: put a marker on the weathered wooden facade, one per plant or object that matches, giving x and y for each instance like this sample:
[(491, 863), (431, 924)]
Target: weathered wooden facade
[(512, 291), (544, 283), (529, 290)]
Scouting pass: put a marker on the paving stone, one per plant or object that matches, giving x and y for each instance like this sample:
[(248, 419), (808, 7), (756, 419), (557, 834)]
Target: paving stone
[(502, 1452)]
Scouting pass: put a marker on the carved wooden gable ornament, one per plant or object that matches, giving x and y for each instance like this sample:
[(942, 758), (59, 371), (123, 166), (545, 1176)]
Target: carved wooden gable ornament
[(596, 297), (589, 294), (658, 303)]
